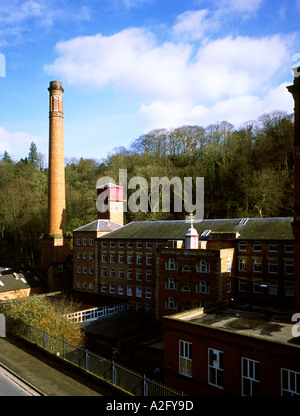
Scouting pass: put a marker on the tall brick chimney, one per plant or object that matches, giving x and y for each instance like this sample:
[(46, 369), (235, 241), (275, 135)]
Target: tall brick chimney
[(295, 91), (56, 193), (56, 246)]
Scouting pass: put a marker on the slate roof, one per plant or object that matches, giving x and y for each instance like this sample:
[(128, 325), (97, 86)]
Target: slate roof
[(279, 228), (10, 281), (100, 226)]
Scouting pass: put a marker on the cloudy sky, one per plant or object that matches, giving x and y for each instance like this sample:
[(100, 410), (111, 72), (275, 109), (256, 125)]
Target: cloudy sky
[(130, 66)]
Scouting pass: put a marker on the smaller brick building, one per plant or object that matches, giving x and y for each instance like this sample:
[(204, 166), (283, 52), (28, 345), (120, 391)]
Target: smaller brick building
[(232, 351)]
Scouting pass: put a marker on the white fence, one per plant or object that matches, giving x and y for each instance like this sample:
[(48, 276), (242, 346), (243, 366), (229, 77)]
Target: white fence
[(95, 314)]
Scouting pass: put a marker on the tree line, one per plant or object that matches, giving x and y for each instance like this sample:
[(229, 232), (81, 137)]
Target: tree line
[(248, 172)]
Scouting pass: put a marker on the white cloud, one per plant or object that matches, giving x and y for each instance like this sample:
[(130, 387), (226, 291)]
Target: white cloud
[(15, 142), (193, 25)]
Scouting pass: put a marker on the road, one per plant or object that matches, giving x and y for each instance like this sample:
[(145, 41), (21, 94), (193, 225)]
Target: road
[(12, 386)]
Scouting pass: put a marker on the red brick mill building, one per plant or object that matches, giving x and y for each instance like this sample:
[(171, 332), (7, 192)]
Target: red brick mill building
[(226, 291)]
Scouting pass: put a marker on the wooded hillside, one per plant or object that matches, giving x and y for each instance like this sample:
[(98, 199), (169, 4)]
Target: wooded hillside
[(248, 172)]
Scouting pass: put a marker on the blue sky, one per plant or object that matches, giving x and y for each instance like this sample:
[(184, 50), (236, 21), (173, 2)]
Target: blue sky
[(130, 66)]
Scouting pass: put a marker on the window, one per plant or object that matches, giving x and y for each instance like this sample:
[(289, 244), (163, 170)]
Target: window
[(112, 258), (148, 276), (104, 244), (203, 267), (138, 276), (186, 289), (121, 258), (91, 241), (242, 265), (112, 288), (112, 244), (139, 259), (272, 247), (148, 244), (78, 256), (242, 285), (228, 265), (257, 246), (129, 275), (84, 241), (273, 289), (273, 266), (257, 265), (242, 245), (229, 286), (289, 289), (129, 244), (129, 259), (289, 267), (120, 274), (84, 256), (112, 273), (103, 257), (171, 303), (121, 244), (103, 287), (148, 293), (91, 271), (215, 367), (203, 287), (91, 286), (120, 290), (148, 259), (289, 247), (84, 270), (250, 377), (78, 269), (91, 256), (103, 274), (129, 290), (257, 287), (290, 383), (185, 358), (171, 284), (139, 244), (78, 241), (138, 292), (186, 269), (171, 264)]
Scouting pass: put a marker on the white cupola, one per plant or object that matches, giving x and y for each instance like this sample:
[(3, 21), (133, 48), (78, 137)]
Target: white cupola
[(192, 237)]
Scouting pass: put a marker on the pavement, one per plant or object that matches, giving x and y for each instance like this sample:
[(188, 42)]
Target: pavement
[(49, 375)]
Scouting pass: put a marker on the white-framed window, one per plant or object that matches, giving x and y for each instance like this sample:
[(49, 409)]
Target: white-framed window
[(121, 258), (242, 285), (186, 289), (112, 258), (289, 266), (104, 257), (148, 276), (139, 259), (257, 265), (289, 247), (112, 273), (171, 264), (272, 247), (129, 275), (129, 244), (242, 265), (112, 288), (148, 293), (250, 377), (228, 285), (78, 241), (139, 244), (148, 259), (203, 266), (91, 241), (273, 289), (129, 259), (257, 246), (273, 266), (171, 303), (138, 276), (138, 292), (120, 290), (91, 286), (112, 244), (203, 287), (256, 286), (121, 244), (228, 265), (103, 287), (78, 270), (78, 256), (84, 241), (104, 244), (91, 256), (171, 283), (129, 290), (84, 270), (242, 245), (91, 270), (289, 289), (120, 274), (103, 272), (148, 244), (185, 358), (84, 256), (215, 367), (290, 383)]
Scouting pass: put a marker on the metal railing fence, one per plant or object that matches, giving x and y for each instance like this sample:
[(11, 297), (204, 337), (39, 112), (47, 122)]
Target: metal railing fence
[(115, 374)]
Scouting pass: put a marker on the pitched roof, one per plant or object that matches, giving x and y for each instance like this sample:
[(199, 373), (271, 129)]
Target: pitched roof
[(279, 228), (10, 281), (100, 226)]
